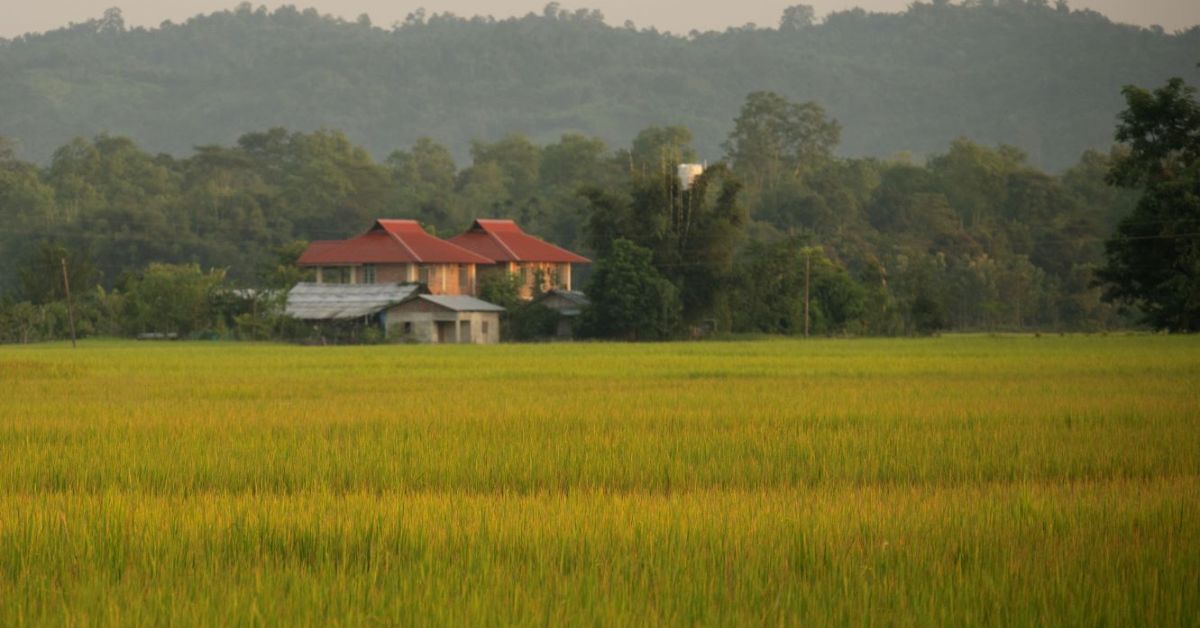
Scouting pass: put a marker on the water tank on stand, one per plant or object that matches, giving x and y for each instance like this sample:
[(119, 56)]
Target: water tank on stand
[(688, 174)]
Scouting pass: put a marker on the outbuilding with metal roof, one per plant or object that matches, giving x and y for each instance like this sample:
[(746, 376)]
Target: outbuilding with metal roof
[(442, 319)]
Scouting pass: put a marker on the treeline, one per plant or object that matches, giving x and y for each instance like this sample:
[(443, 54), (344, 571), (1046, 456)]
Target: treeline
[(973, 239), (1034, 74)]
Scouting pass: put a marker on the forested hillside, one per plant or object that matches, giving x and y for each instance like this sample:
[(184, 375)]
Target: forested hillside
[(1045, 79)]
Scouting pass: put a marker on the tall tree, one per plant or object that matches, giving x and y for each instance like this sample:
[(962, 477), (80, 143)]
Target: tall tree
[(692, 231), (630, 299), (797, 17), (423, 182), (41, 275), (774, 137), (656, 149), (1153, 260)]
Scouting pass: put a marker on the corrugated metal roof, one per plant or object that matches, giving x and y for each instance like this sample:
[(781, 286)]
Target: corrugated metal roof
[(459, 303), (324, 301), (572, 302), (574, 296), (504, 241)]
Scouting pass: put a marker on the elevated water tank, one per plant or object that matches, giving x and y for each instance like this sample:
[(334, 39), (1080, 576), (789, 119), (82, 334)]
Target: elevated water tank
[(688, 174)]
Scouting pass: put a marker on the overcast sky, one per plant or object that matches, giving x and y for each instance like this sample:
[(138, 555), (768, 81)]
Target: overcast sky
[(679, 16)]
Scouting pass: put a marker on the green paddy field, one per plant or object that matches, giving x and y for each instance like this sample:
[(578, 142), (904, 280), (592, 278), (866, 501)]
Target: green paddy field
[(962, 480)]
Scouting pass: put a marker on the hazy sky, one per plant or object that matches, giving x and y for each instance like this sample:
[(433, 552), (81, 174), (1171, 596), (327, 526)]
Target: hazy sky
[(680, 16)]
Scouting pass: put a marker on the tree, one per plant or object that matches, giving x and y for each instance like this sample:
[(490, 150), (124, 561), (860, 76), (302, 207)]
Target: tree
[(168, 298), (41, 275), (769, 291), (423, 182), (630, 299), (768, 288), (1153, 260), (574, 160), (773, 137), (692, 232), (518, 159), (281, 272), (27, 205), (501, 288), (658, 148), (797, 17)]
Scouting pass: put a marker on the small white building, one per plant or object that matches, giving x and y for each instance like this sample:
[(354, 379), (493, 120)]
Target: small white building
[(444, 319)]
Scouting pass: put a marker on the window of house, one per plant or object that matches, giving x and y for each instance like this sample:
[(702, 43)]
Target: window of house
[(423, 274), (484, 328), (408, 328), (368, 273), (464, 278), (335, 274)]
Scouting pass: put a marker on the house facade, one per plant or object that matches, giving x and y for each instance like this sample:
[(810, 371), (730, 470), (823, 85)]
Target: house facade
[(516, 252), (396, 252)]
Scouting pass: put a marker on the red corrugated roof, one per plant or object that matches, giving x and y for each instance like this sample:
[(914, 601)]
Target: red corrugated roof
[(390, 242), (504, 241)]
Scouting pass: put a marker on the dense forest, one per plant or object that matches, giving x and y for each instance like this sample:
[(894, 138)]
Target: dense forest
[(1029, 73), (974, 238)]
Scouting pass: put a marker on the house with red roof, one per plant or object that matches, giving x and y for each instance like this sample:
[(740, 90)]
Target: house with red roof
[(396, 251), (521, 254)]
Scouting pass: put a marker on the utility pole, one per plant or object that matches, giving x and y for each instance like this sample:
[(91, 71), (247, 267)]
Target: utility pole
[(807, 274), (70, 304)]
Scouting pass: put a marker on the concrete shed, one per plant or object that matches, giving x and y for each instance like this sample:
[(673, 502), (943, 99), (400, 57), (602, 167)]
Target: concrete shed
[(430, 318)]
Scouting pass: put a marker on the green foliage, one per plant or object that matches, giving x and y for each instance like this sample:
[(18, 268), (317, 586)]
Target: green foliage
[(282, 273), (532, 321), (1020, 255), (773, 138), (501, 288), (768, 290), (168, 298), (660, 149), (908, 81), (630, 299), (423, 181), (975, 238), (41, 276), (1153, 261), (691, 232)]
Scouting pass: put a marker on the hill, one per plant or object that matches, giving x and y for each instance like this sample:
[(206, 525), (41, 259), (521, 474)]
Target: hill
[(1041, 78)]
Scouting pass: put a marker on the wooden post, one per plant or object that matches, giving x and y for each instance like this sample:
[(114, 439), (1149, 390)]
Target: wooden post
[(807, 274), (70, 305)]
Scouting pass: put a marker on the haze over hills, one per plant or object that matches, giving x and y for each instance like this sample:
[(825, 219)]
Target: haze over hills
[(1043, 79)]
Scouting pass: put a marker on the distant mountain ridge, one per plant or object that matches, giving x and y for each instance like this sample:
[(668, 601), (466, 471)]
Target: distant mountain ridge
[(1041, 78)]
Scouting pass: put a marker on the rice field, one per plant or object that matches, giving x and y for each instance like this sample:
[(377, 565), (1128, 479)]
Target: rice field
[(962, 480)]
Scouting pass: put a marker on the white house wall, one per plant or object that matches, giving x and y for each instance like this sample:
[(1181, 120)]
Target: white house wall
[(424, 325)]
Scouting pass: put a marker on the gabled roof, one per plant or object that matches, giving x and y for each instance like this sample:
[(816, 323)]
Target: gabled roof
[(504, 241), (326, 301), (390, 241), (456, 303)]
